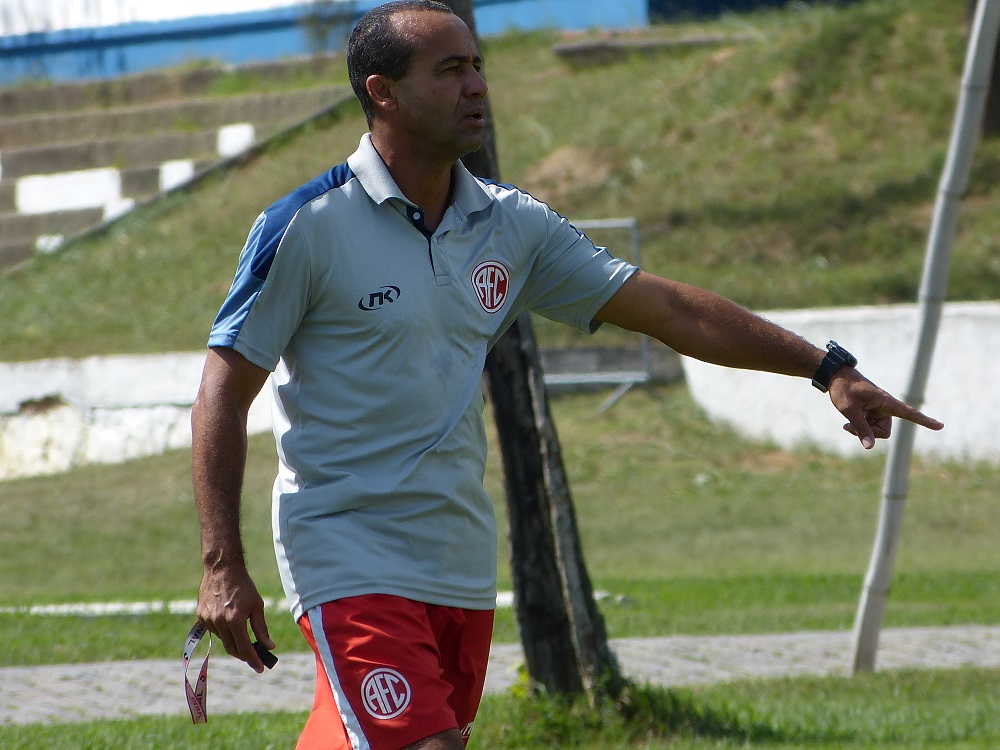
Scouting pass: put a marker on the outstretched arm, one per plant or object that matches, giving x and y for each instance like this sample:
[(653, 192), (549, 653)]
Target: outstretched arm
[(228, 598), (703, 325)]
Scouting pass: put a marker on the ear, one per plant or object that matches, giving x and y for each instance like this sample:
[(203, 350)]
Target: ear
[(382, 93)]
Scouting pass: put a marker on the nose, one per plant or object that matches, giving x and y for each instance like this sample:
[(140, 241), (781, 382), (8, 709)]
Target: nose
[(476, 85)]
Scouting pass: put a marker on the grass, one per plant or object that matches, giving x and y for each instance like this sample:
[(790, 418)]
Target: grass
[(797, 170), (687, 527), (955, 709), (906, 710), (688, 606)]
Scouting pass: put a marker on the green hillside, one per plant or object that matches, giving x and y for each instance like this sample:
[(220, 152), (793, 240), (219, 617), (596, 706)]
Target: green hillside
[(796, 169)]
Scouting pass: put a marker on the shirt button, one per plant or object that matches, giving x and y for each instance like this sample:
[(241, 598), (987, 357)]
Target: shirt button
[(416, 216)]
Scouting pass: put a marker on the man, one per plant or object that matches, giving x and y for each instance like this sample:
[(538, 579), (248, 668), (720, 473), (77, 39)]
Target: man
[(373, 293)]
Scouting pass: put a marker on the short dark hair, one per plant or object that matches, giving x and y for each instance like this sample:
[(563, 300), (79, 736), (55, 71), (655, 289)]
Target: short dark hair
[(376, 48)]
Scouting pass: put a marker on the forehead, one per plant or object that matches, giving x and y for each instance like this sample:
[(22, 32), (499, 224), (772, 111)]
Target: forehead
[(437, 35)]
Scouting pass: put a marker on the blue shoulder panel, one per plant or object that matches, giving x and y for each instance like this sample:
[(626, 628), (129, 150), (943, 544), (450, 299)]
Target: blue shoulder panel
[(260, 249), (280, 213)]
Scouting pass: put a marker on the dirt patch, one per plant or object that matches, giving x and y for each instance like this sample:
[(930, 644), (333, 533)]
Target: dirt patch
[(771, 462), (40, 405), (566, 170)]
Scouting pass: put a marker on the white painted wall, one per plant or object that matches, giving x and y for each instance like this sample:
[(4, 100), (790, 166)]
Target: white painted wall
[(174, 173), (99, 410), (962, 390), (232, 140), (68, 191), (111, 409), (24, 16)]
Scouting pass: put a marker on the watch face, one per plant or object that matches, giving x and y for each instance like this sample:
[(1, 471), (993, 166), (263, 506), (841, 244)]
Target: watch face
[(840, 354), (836, 357)]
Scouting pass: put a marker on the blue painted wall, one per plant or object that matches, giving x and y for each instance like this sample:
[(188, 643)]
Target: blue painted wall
[(110, 51), (677, 10), (670, 10)]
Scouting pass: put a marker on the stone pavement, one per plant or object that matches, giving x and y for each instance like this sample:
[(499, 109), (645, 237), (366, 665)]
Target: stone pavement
[(84, 692)]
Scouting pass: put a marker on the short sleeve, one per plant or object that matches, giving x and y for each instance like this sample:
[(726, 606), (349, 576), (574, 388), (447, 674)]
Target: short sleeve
[(572, 278), (269, 294)]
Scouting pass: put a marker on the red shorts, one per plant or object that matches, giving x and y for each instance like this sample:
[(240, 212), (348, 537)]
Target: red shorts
[(391, 671)]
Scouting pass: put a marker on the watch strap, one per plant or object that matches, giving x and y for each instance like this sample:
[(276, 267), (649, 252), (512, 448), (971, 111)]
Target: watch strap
[(836, 357)]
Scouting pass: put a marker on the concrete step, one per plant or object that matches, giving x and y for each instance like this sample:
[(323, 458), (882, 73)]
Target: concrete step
[(145, 88), (17, 228), (8, 192), (135, 151), (142, 183), (157, 86), (138, 183), (12, 253), (265, 111), (20, 232), (112, 144)]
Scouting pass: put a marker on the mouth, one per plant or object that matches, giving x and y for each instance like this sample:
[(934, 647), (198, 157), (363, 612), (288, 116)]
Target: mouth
[(477, 116)]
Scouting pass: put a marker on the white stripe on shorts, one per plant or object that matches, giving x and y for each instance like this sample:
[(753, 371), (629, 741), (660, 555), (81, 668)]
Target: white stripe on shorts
[(350, 719)]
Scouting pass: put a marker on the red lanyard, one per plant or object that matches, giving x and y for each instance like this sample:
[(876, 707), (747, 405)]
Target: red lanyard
[(197, 695)]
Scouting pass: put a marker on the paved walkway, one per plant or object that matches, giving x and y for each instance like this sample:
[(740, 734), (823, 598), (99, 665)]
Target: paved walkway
[(83, 692)]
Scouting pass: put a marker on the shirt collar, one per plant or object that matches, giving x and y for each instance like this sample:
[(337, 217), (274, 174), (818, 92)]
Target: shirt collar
[(469, 196)]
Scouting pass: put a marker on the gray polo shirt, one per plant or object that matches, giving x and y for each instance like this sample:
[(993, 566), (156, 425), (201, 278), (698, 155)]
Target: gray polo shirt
[(377, 332)]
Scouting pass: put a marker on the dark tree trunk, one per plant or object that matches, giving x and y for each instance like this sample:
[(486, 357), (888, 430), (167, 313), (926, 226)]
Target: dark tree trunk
[(562, 632), (542, 617)]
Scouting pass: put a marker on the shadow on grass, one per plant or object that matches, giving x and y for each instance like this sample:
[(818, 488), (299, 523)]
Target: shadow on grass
[(640, 714), (666, 712)]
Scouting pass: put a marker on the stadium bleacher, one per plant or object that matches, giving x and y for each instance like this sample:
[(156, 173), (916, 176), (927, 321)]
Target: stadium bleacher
[(74, 155)]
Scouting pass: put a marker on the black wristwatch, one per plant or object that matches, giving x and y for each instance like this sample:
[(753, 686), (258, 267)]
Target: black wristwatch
[(836, 357)]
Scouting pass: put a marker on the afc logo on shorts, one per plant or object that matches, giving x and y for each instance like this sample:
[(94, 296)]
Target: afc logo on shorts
[(385, 693), (490, 279)]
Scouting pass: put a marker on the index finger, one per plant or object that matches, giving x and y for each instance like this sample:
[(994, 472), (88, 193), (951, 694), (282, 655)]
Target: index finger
[(910, 414)]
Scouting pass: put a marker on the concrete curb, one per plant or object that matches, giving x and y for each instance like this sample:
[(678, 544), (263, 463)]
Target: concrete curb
[(122, 690)]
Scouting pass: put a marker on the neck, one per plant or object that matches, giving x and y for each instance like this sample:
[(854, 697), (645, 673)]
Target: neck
[(423, 179)]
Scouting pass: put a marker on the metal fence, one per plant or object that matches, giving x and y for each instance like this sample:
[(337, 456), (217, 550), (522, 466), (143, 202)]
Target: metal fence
[(624, 379)]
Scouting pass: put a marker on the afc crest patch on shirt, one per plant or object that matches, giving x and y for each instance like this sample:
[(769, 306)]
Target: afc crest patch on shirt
[(490, 280)]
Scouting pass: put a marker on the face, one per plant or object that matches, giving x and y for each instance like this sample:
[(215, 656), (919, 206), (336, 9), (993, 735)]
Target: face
[(439, 105)]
